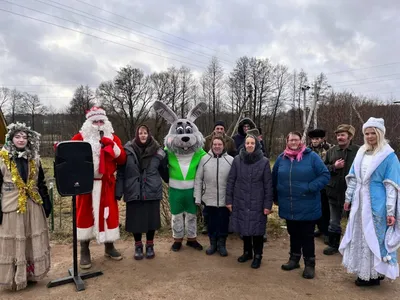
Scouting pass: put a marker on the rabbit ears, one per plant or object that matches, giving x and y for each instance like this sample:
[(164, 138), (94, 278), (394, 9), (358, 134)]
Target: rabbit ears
[(164, 111)]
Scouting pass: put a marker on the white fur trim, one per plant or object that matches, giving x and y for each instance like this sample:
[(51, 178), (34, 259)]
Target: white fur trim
[(97, 118), (362, 191), (85, 234), (106, 213), (117, 150), (109, 235), (375, 122), (96, 196), (96, 112)]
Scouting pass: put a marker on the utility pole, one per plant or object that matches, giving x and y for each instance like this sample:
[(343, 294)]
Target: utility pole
[(304, 88), (315, 114), (316, 99)]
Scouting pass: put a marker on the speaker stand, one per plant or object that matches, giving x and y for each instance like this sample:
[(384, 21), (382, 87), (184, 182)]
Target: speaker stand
[(75, 277)]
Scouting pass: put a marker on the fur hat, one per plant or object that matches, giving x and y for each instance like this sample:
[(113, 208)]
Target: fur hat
[(32, 147), (378, 123), (254, 132), (219, 123), (316, 133), (346, 128)]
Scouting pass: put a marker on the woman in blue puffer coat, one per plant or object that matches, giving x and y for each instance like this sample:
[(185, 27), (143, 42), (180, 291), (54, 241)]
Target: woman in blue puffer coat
[(298, 176)]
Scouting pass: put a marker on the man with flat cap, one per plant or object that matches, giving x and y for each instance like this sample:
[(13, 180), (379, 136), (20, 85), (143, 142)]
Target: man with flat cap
[(320, 146), (338, 161)]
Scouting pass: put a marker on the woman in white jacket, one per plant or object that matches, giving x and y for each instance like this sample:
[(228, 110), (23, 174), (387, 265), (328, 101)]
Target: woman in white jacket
[(210, 188)]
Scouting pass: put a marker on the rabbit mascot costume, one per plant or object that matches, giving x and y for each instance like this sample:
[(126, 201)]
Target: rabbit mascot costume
[(184, 148)]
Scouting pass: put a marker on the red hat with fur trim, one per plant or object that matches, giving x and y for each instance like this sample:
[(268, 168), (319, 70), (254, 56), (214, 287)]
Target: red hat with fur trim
[(96, 113)]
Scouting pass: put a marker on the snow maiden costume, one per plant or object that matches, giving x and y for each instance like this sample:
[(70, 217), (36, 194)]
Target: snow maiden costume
[(184, 148), (24, 206), (369, 245)]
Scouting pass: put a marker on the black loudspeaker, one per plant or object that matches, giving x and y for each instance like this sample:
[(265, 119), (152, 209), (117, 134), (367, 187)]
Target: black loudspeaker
[(73, 170), (73, 164)]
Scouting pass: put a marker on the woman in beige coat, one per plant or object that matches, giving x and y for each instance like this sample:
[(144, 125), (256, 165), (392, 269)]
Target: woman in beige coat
[(25, 204)]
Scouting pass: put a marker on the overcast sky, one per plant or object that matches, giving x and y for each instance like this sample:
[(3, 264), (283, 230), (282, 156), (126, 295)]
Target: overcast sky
[(355, 42)]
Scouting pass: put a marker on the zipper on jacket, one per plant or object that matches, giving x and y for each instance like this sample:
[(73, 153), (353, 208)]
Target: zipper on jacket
[(217, 182), (290, 186)]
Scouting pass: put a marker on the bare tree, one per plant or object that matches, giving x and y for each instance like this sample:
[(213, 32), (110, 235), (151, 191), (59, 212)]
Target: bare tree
[(187, 84), (81, 102), (127, 97), (5, 97), (212, 83), (281, 83), (14, 104), (33, 106)]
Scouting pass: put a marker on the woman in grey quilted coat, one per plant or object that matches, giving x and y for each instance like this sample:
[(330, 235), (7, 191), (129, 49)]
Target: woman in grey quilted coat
[(249, 197), (210, 188)]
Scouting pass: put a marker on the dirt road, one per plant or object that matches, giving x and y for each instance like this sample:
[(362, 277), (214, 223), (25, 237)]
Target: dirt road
[(190, 274)]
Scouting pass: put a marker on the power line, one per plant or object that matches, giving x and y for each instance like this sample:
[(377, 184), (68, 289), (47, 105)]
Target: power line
[(100, 38), (127, 29), (361, 79), (99, 30), (362, 83), (365, 68), (136, 22)]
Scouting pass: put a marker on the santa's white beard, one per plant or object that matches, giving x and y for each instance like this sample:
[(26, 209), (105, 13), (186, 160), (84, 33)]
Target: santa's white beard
[(91, 134)]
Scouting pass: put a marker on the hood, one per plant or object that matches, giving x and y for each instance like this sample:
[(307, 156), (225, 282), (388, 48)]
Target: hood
[(245, 121)]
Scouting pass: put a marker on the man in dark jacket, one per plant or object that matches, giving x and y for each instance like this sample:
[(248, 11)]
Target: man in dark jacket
[(219, 130), (338, 161), (320, 146), (247, 126)]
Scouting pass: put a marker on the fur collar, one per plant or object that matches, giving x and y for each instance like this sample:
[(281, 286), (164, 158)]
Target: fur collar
[(251, 158), (378, 159)]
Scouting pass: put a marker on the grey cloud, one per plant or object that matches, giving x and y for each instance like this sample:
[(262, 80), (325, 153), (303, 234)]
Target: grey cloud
[(318, 33)]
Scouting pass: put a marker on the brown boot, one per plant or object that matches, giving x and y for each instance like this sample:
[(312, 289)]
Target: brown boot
[(111, 252), (86, 262)]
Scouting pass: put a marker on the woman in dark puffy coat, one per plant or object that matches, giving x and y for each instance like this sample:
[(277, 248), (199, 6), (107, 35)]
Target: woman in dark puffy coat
[(139, 182), (249, 198), (299, 175)]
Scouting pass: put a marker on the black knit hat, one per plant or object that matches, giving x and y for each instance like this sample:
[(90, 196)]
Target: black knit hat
[(316, 133), (219, 123)]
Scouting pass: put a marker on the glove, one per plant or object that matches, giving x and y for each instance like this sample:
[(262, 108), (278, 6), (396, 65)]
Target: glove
[(107, 141)]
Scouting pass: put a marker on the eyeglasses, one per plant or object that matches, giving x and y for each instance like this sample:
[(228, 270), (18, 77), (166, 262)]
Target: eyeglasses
[(98, 122)]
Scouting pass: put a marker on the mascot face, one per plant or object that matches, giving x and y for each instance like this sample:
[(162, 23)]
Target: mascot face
[(183, 137)]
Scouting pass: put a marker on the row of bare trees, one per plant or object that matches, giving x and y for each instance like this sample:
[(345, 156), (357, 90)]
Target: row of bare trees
[(276, 98)]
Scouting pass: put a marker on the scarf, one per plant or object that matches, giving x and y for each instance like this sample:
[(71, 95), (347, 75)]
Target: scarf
[(294, 154), (145, 151)]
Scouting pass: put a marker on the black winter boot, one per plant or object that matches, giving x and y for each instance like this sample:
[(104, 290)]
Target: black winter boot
[(334, 241), (293, 262), (150, 250), (309, 269), (222, 246), (371, 282), (138, 251), (111, 252), (85, 262), (213, 247), (256, 261), (245, 257), (194, 244)]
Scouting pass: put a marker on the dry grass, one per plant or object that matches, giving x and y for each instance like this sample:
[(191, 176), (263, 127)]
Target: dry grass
[(62, 210)]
